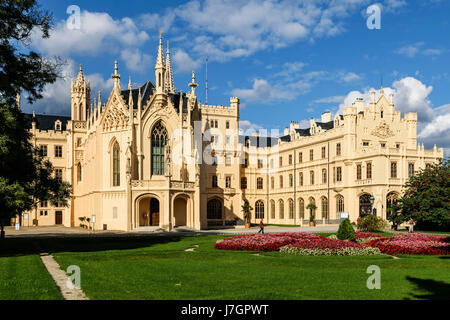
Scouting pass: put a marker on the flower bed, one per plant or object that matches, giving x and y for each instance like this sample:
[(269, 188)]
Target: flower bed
[(348, 251), (413, 243), (365, 237)]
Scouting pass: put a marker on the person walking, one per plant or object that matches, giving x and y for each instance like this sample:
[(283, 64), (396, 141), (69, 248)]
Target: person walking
[(411, 225), (261, 227)]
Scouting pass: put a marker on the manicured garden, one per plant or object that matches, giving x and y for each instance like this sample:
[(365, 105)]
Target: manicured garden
[(161, 268)]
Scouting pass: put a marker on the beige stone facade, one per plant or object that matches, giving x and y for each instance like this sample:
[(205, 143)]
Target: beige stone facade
[(154, 156)]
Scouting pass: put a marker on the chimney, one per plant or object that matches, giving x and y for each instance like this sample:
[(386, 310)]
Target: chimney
[(326, 117)]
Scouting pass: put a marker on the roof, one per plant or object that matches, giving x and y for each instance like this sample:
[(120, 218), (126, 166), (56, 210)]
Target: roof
[(46, 122), (259, 142), (175, 98), (146, 93)]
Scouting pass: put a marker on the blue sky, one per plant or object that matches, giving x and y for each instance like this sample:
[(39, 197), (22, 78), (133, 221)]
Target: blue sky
[(286, 60)]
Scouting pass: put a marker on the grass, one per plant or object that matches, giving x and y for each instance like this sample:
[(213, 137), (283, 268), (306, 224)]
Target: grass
[(159, 268), (24, 277)]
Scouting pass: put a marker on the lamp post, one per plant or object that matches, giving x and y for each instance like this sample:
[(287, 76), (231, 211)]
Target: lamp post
[(372, 200)]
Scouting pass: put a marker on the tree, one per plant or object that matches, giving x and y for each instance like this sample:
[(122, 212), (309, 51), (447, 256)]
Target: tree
[(346, 231), (426, 199), (26, 178), (312, 207), (246, 209), (22, 69)]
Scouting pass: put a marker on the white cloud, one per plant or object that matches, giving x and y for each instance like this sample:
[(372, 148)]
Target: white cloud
[(350, 77), (183, 62), (98, 32), (157, 22), (333, 99), (135, 60), (247, 126), (411, 51), (56, 96)]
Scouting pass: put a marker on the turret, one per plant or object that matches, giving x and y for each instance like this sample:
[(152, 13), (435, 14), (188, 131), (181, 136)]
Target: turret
[(169, 87), (160, 68), (80, 96)]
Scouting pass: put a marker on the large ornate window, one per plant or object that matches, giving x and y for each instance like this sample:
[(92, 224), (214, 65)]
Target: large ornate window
[(272, 209), (260, 183), (159, 143), (259, 210), (214, 209), (116, 165)]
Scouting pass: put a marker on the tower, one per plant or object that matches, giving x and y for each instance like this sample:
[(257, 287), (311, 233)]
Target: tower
[(169, 87), (160, 67), (80, 95)]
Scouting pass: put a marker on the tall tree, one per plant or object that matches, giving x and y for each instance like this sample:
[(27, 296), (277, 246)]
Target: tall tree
[(26, 178), (426, 199)]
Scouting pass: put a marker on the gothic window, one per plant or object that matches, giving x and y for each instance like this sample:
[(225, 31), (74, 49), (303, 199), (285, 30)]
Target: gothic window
[(393, 169), (338, 174), (214, 209), (43, 150), (58, 151), (311, 174), (339, 204), (290, 159), (311, 154), (291, 208), (228, 182), (411, 170), (59, 174), (300, 157), (116, 164), (272, 209), (281, 204), (324, 152), (391, 200), (281, 181), (272, 183), (301, 208), (243, 183), (159, 143), (324, 175), (214, 182), (324, 208), (259, 210), (301, 178), (291, 180), (338, 149), (358, 172)]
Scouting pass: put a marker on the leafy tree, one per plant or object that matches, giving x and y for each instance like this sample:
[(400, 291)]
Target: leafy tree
[(313, 208), (22, 69), (26, 178), (372, 223), (426, 199)]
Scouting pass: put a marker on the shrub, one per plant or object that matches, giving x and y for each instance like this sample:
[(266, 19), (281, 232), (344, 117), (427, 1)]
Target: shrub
[(346, 231), (372, 223)]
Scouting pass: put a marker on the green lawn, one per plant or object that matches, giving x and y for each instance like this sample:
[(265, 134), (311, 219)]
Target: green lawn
[(24, 277), (160, 268)]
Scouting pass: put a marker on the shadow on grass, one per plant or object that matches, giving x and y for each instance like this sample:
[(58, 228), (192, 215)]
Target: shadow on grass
[(437, 290), (11, 247)]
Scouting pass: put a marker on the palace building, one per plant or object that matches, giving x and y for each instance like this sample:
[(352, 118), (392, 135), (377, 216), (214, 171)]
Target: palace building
[(153, 156)]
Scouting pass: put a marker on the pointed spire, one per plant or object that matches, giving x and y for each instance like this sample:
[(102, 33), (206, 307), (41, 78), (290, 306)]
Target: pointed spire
[(160, 57), (169, 76), (382, 91), (80, 78), (116, 75), (193, 85), (129, 84), (130, 98)]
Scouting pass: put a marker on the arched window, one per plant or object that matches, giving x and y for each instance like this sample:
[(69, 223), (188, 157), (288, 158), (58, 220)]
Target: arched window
[(259, 210), (214, 209), (159, 143), (272, 209), (291, 208), (116, 165), (281, 205), (340, 204), (324, 208), (301, 208), (79, 172), (259, 183), (391, 199)]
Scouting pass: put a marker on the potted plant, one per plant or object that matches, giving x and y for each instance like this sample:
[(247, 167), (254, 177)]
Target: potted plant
[(82, 219), (246, 209), (312, 217)]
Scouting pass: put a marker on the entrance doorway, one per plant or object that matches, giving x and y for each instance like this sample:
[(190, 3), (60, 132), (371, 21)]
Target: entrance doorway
[(365, 205), (149, 212), (58, 217)]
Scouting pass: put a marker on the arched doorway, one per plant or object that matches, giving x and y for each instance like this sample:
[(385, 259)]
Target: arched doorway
[(391, 200), (365, 205), (180, 207), (149, 212)]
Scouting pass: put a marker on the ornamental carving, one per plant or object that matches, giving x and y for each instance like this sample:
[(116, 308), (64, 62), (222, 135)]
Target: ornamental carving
[(383, 131)]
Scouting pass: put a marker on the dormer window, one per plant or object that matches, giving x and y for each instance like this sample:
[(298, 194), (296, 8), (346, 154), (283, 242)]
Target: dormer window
[(58, 125)]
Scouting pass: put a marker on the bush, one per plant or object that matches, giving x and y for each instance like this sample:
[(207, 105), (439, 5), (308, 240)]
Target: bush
[(346, 231), (372, 223)]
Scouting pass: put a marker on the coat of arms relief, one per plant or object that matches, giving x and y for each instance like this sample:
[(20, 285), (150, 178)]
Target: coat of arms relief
[(383, 131)]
